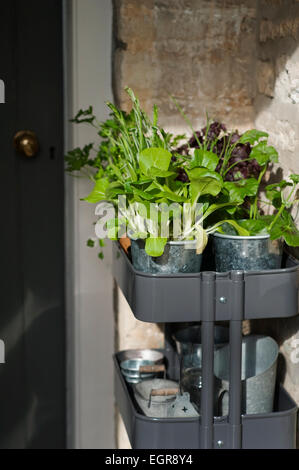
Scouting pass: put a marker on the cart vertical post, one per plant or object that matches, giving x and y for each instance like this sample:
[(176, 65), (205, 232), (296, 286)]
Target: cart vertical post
[(208, 318), (235, 340)]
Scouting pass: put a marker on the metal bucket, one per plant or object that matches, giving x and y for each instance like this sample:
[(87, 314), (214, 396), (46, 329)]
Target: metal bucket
[(153, 403), (188, 343), (259, 363), (256, 253), (178, 257)]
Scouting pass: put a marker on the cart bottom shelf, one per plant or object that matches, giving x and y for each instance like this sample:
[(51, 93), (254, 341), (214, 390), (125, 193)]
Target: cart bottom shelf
[(275, 430)]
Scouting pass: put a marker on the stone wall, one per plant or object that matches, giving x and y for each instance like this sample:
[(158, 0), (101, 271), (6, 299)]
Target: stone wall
[(277, 100), (277, 111), (236, 60), (202, 52)]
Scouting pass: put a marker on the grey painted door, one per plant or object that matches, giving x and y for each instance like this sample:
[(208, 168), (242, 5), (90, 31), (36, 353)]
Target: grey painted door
[(32, 317)]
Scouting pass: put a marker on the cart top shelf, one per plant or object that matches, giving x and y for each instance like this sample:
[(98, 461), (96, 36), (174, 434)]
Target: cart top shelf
[(161, 298)]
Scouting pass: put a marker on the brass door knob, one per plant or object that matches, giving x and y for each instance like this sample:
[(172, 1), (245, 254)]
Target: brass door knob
[(26, 143)]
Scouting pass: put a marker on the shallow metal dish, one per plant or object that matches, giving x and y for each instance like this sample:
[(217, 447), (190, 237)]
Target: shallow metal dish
[(147, 354), (130, 368), (132, 359)]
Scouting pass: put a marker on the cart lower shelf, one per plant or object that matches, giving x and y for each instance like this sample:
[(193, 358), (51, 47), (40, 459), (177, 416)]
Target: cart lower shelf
[(275, 430)]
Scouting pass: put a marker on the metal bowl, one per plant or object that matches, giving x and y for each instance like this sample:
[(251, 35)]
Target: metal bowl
[(132, 359), (130, 368), (146, 354)]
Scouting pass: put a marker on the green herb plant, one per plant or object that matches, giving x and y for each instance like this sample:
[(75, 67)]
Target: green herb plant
[(220, 152), (137, 160), (247, 192)]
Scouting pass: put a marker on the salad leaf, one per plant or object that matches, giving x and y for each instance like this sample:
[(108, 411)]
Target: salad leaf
[(155, 246), (204, 158), (154, 157), (171, 196), (156, 172), (254, 226), (114, 189), (274, 192), (285, 227), (203, 182), (99, 191), (238, 190), (252, 136), (239, 229), (264, 153), (144, 194), (214, 207)]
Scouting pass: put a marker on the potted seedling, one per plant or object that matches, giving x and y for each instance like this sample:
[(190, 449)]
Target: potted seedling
[(262, 248), (242, 161)]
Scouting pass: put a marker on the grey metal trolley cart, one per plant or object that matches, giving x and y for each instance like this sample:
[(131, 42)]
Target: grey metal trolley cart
[(208, 297)]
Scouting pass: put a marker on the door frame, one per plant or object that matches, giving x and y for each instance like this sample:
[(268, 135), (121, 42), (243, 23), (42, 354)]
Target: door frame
[(89, 309)]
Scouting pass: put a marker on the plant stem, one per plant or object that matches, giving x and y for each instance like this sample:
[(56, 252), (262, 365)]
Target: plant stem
[(188, 122), (227, 155), (234, 164), (206, 134), (256, 197)]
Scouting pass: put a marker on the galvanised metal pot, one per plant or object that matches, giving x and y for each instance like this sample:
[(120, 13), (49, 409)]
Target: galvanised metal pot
[(178, 257), (155, 406), (188, 343), (252, 253), (259, 364)]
